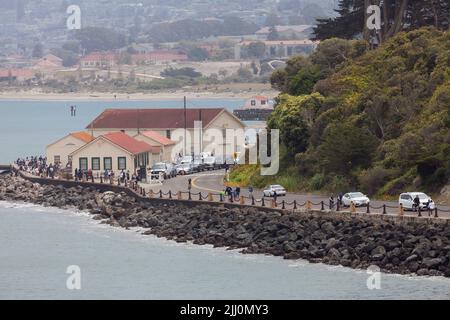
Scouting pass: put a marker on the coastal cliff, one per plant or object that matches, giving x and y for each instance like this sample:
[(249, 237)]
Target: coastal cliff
[(403, 247)]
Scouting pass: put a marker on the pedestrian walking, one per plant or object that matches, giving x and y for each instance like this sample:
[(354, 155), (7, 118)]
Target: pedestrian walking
[(332, 202), (416, 203)]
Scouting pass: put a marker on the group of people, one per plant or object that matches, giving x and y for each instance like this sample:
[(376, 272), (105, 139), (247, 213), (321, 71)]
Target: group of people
[(108, 175), (37, 165), (233, 194), (335, 200)]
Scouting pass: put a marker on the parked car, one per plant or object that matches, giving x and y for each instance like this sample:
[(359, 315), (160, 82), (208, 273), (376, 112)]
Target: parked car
[(407, 200), (185, 168), (210, 163), (162, 167), (172, 170), (199, 165), (273, 190), (359, 199), (186, 159)]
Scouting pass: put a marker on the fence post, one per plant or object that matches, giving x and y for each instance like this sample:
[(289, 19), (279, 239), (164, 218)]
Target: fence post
[(160, 194), (352, 207), (338, 205), (322, 206), (368, 208), (253, 200), (384, 209), (402, 210), (170, 194), (200, 197), (221, 197), (419, 210), (242, 200), (101, 179), (295, 204), (210, 197), (436, 213), (143, 192), (190, 195), (283, 205), (263, 204)]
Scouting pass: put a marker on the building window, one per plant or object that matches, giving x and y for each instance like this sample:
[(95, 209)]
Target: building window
[(168, 134), (57, 159), (253, 102), (96, 164), (263, 102), (107, 163), (122, 163), (83, 163)]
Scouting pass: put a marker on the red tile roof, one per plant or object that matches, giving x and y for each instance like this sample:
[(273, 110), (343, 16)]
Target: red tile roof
[(83, 136), (152, 118), (19, 73), (158, 138), (130, 144)]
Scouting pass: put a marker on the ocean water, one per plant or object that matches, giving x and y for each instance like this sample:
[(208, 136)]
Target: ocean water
[(27, 127), (38, 244)]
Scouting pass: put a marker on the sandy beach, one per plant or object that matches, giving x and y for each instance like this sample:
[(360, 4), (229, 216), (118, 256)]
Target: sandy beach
[(168, 95)]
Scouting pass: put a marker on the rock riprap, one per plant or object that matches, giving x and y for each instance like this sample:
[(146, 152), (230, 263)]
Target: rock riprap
[(409, 247)]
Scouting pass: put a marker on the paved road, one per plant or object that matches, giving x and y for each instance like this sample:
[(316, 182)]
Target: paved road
[(212, 182)]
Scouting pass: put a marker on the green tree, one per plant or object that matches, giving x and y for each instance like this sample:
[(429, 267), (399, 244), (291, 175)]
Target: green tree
[(346, 148), (100, 39), (273, 34), (256, 50), (198, 54)]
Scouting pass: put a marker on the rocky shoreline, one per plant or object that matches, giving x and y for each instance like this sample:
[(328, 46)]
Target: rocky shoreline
[(410, 247)]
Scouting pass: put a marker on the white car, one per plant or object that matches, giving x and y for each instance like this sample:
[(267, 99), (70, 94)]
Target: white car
[(359, 199), (407, 200), (273, 190)]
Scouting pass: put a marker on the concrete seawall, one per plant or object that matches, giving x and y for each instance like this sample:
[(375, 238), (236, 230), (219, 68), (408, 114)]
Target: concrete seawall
[(103, 187)]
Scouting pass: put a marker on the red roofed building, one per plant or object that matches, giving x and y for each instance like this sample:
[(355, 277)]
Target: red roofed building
[(155, 139), (101, 60), (16, 74), (169, 123), (115, 152), (60, 150)]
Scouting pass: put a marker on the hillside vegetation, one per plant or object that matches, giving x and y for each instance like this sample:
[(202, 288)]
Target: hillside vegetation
[(375, 120)]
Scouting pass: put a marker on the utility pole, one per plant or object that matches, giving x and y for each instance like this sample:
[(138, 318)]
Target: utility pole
[(185, 125)]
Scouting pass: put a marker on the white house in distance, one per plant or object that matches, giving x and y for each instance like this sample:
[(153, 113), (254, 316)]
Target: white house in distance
[(155, 139), (165, 122), (259, 102), (115, 151), (59, 151)]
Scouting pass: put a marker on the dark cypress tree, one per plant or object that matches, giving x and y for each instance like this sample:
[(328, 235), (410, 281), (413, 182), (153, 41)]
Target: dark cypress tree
[(396, 16)]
